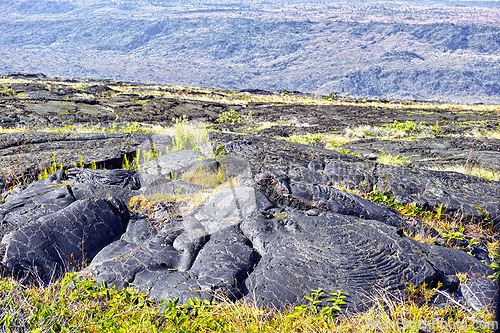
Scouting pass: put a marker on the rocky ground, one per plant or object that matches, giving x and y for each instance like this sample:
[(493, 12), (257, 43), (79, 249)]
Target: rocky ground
[(288, 218)]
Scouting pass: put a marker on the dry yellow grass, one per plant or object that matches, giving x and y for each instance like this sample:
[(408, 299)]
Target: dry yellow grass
[(205, 178)]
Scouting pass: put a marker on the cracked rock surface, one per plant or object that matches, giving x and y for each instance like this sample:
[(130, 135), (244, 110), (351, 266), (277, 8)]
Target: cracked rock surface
[(286, 228), (25, 155), (435, 153)]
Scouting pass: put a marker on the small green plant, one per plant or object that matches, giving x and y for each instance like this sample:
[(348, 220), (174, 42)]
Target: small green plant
[(80, 165), (408, 127), (487, 219), (462, 277), (230, 117), (140, 101), (496, 271), (7, 91), (453, 235), (450, 234), (314, 300), (346, 151), (52, 169), (220, 153), (334, 96), (153, 151), (422, 294), (126, 163)]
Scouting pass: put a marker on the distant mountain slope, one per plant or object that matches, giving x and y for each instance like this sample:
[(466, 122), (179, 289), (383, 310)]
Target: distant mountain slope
[(382, 49)]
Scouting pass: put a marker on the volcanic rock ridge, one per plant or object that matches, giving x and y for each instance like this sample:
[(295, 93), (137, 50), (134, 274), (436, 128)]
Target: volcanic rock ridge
[(279, 219)]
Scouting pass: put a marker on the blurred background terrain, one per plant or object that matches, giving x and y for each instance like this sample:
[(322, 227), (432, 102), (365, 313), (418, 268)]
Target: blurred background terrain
[(419, 50)]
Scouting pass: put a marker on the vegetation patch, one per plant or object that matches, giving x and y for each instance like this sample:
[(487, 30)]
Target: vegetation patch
[(78, 304), (230, 117), (308, 139), (394, 130), (393, 160), (205, 178)]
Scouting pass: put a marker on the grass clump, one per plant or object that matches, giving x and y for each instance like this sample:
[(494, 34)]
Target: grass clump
[(308, 139), (53, 168), (234, 117), (188, 136), (7, 91), (334, 140), (205, 178)]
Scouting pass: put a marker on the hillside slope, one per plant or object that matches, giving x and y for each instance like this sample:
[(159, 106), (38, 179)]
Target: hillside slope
[(424, 51)]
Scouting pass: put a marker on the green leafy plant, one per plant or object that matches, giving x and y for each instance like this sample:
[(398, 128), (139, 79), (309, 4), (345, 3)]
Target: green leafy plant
[(314, 300), (126, 163), (7, 91), (496, 271), (333, 96), (408, 127), (454, 234), (230, 117), (220, 153)]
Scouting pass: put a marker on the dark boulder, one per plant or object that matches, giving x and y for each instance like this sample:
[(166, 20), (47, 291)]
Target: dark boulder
[(57, 243), (53, 226)]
